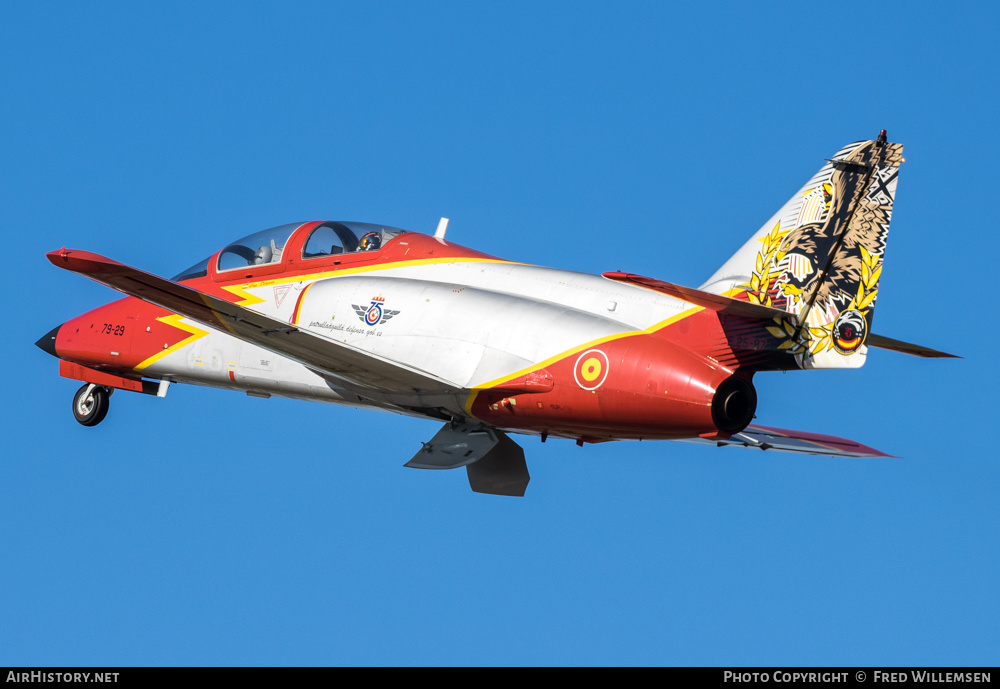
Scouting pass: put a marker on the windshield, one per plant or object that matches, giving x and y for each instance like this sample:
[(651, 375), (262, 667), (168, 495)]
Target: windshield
[(260, 248), (198, 270)]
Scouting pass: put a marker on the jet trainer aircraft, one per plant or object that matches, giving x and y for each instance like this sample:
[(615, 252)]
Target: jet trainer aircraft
[(375, 316)]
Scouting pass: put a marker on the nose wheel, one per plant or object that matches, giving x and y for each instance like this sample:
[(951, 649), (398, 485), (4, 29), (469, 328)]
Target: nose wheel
[(90, 404)]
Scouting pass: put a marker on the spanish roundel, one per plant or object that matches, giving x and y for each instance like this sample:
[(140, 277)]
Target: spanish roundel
[(591, 369)]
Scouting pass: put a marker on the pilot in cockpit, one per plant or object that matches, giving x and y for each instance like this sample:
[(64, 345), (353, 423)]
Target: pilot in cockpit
[(370, 242), (267, 254)]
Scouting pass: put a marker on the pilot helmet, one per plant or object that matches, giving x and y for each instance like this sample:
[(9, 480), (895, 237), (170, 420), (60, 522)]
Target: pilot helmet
[(371, 242), (264, 255)]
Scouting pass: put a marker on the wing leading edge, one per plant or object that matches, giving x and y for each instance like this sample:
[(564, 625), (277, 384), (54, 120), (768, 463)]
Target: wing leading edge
[(357, 369)]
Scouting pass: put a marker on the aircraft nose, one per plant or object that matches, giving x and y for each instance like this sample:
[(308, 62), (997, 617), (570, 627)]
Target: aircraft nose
[(47, 342)]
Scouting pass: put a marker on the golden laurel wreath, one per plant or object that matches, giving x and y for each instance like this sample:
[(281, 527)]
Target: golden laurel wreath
[(765, 273), (759, 289), (813, 340)]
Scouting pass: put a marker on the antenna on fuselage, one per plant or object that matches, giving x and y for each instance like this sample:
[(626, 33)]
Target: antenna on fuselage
[(441, 229)]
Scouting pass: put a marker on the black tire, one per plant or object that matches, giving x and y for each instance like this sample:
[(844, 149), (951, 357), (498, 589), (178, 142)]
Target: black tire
[(91, 409)]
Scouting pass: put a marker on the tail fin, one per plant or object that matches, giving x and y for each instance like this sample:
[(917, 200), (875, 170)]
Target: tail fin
[(820, 256)]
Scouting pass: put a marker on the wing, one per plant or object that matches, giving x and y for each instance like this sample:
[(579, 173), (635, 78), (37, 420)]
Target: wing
[(784, 440), (355, 368)]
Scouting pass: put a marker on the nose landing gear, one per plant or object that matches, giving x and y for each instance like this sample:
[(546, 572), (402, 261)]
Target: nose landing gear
[(90, 404)]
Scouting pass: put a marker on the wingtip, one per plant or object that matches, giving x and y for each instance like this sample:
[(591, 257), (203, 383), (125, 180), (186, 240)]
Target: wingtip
[(80, 261), (59, 256)]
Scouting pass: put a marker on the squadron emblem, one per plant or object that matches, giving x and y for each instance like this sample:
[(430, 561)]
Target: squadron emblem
[(849, 331), (376, 313)]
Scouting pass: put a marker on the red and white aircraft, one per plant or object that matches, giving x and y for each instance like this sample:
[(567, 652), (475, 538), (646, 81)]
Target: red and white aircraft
[(368, 315)]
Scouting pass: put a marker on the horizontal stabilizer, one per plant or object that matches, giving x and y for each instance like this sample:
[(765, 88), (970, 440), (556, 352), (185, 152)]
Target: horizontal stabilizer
[(353, 367), (783, 440), (712, 302), (907, 348)]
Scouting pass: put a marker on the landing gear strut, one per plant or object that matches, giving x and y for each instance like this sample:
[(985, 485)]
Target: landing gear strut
[(90, 404)]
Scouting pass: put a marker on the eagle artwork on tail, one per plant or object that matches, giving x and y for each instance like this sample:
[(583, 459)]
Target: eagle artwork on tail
[(824, 257), (822, 260)]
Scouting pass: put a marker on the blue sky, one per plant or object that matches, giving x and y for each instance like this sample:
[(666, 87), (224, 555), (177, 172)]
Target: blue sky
[(212, 528)]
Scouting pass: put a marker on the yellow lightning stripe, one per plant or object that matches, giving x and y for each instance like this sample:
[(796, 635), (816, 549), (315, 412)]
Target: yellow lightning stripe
[(240, 291), (196, 333), (246, 299), (175, 321)]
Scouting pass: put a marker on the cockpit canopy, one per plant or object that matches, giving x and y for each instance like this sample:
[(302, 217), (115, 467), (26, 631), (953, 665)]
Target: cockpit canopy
[(257, 249), (268, 246), (347, 237)]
